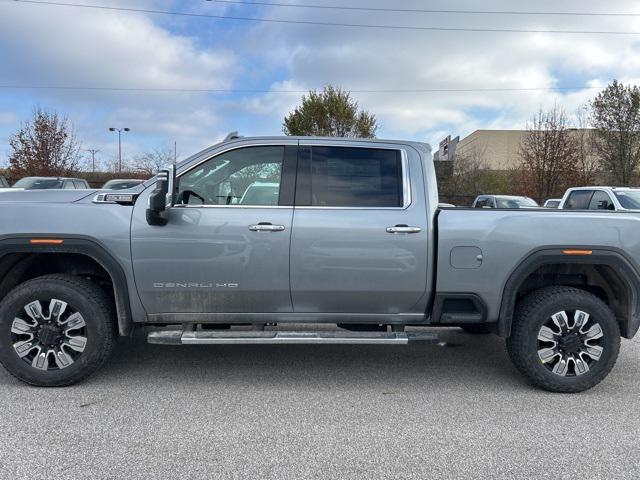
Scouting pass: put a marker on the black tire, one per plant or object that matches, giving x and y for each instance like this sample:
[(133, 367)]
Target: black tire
[(539, 307), (81, 296), (476, 328)]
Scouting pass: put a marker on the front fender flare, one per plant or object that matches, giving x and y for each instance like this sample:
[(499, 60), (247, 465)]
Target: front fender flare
[(83, 246)]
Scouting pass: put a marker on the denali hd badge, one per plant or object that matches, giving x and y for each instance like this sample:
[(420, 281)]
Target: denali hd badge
[(194, 285)]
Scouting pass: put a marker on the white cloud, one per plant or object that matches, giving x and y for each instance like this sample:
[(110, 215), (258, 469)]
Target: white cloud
[(395, 59), (72, 46), (55, 45)]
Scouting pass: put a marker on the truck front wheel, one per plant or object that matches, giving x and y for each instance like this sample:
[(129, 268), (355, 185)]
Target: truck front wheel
[(564, 339), (55, 330)]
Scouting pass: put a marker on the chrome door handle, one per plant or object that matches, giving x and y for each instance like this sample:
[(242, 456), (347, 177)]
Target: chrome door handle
[(266, 227), (403, 229)]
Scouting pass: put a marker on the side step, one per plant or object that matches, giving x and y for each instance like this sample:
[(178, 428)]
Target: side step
[(207, 337)]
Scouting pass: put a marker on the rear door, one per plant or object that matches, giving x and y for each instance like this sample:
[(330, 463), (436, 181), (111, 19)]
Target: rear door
[(360, 227)]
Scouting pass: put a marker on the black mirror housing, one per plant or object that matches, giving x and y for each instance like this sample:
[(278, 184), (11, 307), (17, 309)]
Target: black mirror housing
[(162, 198)]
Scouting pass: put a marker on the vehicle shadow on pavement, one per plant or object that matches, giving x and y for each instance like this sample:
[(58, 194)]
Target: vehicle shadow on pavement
[(460, 362), (459, 358)]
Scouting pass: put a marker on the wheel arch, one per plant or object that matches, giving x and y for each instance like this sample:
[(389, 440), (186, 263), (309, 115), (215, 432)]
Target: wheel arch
[(605, 271), (16, 249)]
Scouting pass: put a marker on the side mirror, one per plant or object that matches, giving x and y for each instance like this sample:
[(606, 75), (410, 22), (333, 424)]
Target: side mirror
[(162, 198)]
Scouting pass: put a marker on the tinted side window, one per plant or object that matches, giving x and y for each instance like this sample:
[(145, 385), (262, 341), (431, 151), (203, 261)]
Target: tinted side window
[(355, 177), (601, 201), (79, 184), (246, 176), (68, 185), (578, 200)]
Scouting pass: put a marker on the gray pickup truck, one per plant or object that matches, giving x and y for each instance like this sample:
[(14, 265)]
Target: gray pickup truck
[(339, 231)]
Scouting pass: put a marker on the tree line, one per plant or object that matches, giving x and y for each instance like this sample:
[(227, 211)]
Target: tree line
[(601, 144), (47, 145)]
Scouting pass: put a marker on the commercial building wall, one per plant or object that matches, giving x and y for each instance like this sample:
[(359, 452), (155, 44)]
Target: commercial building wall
[(498, 149)]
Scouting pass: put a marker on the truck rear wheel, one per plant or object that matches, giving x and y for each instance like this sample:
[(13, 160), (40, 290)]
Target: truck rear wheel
[(55, 330), (564, 339)]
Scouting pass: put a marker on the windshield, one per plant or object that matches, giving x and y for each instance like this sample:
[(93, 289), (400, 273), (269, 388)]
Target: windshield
[(38, 183), (629, 199), (121, 185), (515, 202)]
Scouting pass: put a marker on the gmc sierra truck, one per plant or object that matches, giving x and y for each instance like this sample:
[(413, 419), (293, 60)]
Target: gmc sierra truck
[(246, 240)]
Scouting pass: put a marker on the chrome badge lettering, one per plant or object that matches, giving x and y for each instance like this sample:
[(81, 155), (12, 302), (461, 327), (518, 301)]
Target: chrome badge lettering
[(194, 285)]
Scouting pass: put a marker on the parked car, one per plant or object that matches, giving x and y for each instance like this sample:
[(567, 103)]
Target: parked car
[(50, 183), (3, 182), (121, 184), (503, 201), (261, 193), (601, 198), (366, 248), (552, 203)]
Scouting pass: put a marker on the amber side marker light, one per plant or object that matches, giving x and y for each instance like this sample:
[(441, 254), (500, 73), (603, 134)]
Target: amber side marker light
[(577, 252), (46, 241)]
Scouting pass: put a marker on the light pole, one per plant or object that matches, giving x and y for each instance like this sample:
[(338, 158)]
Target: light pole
[(93, 152), (119, 130)]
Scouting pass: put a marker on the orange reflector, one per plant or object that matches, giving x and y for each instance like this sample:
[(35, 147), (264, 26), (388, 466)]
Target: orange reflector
[(577, 252), (46, 241)]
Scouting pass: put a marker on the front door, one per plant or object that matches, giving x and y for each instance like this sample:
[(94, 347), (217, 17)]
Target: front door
[(225, 248), (360, 230)]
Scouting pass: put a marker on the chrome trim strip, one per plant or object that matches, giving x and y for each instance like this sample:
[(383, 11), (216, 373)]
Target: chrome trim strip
[(234, 206), (309, 317)]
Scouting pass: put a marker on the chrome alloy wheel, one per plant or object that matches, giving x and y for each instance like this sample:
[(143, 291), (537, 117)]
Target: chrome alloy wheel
[(569, 343), (50, 339)]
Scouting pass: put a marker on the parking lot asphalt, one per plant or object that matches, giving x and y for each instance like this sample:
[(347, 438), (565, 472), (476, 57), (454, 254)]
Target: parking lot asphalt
[(458, 410)]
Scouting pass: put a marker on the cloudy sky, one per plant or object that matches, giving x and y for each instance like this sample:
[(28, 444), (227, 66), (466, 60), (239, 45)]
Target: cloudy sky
[(255, 62)]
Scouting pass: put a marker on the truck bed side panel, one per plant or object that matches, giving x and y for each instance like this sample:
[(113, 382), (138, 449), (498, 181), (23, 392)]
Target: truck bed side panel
[(504, 238)]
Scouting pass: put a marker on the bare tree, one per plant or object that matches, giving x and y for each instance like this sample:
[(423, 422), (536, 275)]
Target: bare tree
[(45, 145), (468, 168), (587, 161), (150, 162), (615, 114), (469, 176), (548, 154)]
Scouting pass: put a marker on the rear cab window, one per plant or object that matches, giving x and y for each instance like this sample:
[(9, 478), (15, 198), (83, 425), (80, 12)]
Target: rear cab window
[(351, 177)]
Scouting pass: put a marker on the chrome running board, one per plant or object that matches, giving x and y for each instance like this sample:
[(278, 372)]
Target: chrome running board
[(207, 337)]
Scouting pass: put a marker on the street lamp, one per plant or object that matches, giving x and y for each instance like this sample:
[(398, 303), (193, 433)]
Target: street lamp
[(119, 130)]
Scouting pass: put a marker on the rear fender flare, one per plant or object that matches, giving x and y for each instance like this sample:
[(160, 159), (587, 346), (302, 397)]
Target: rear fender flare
[(614, 258)]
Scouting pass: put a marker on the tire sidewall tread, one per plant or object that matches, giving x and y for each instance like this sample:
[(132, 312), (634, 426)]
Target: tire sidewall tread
[(97, 310), (533, 311)]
